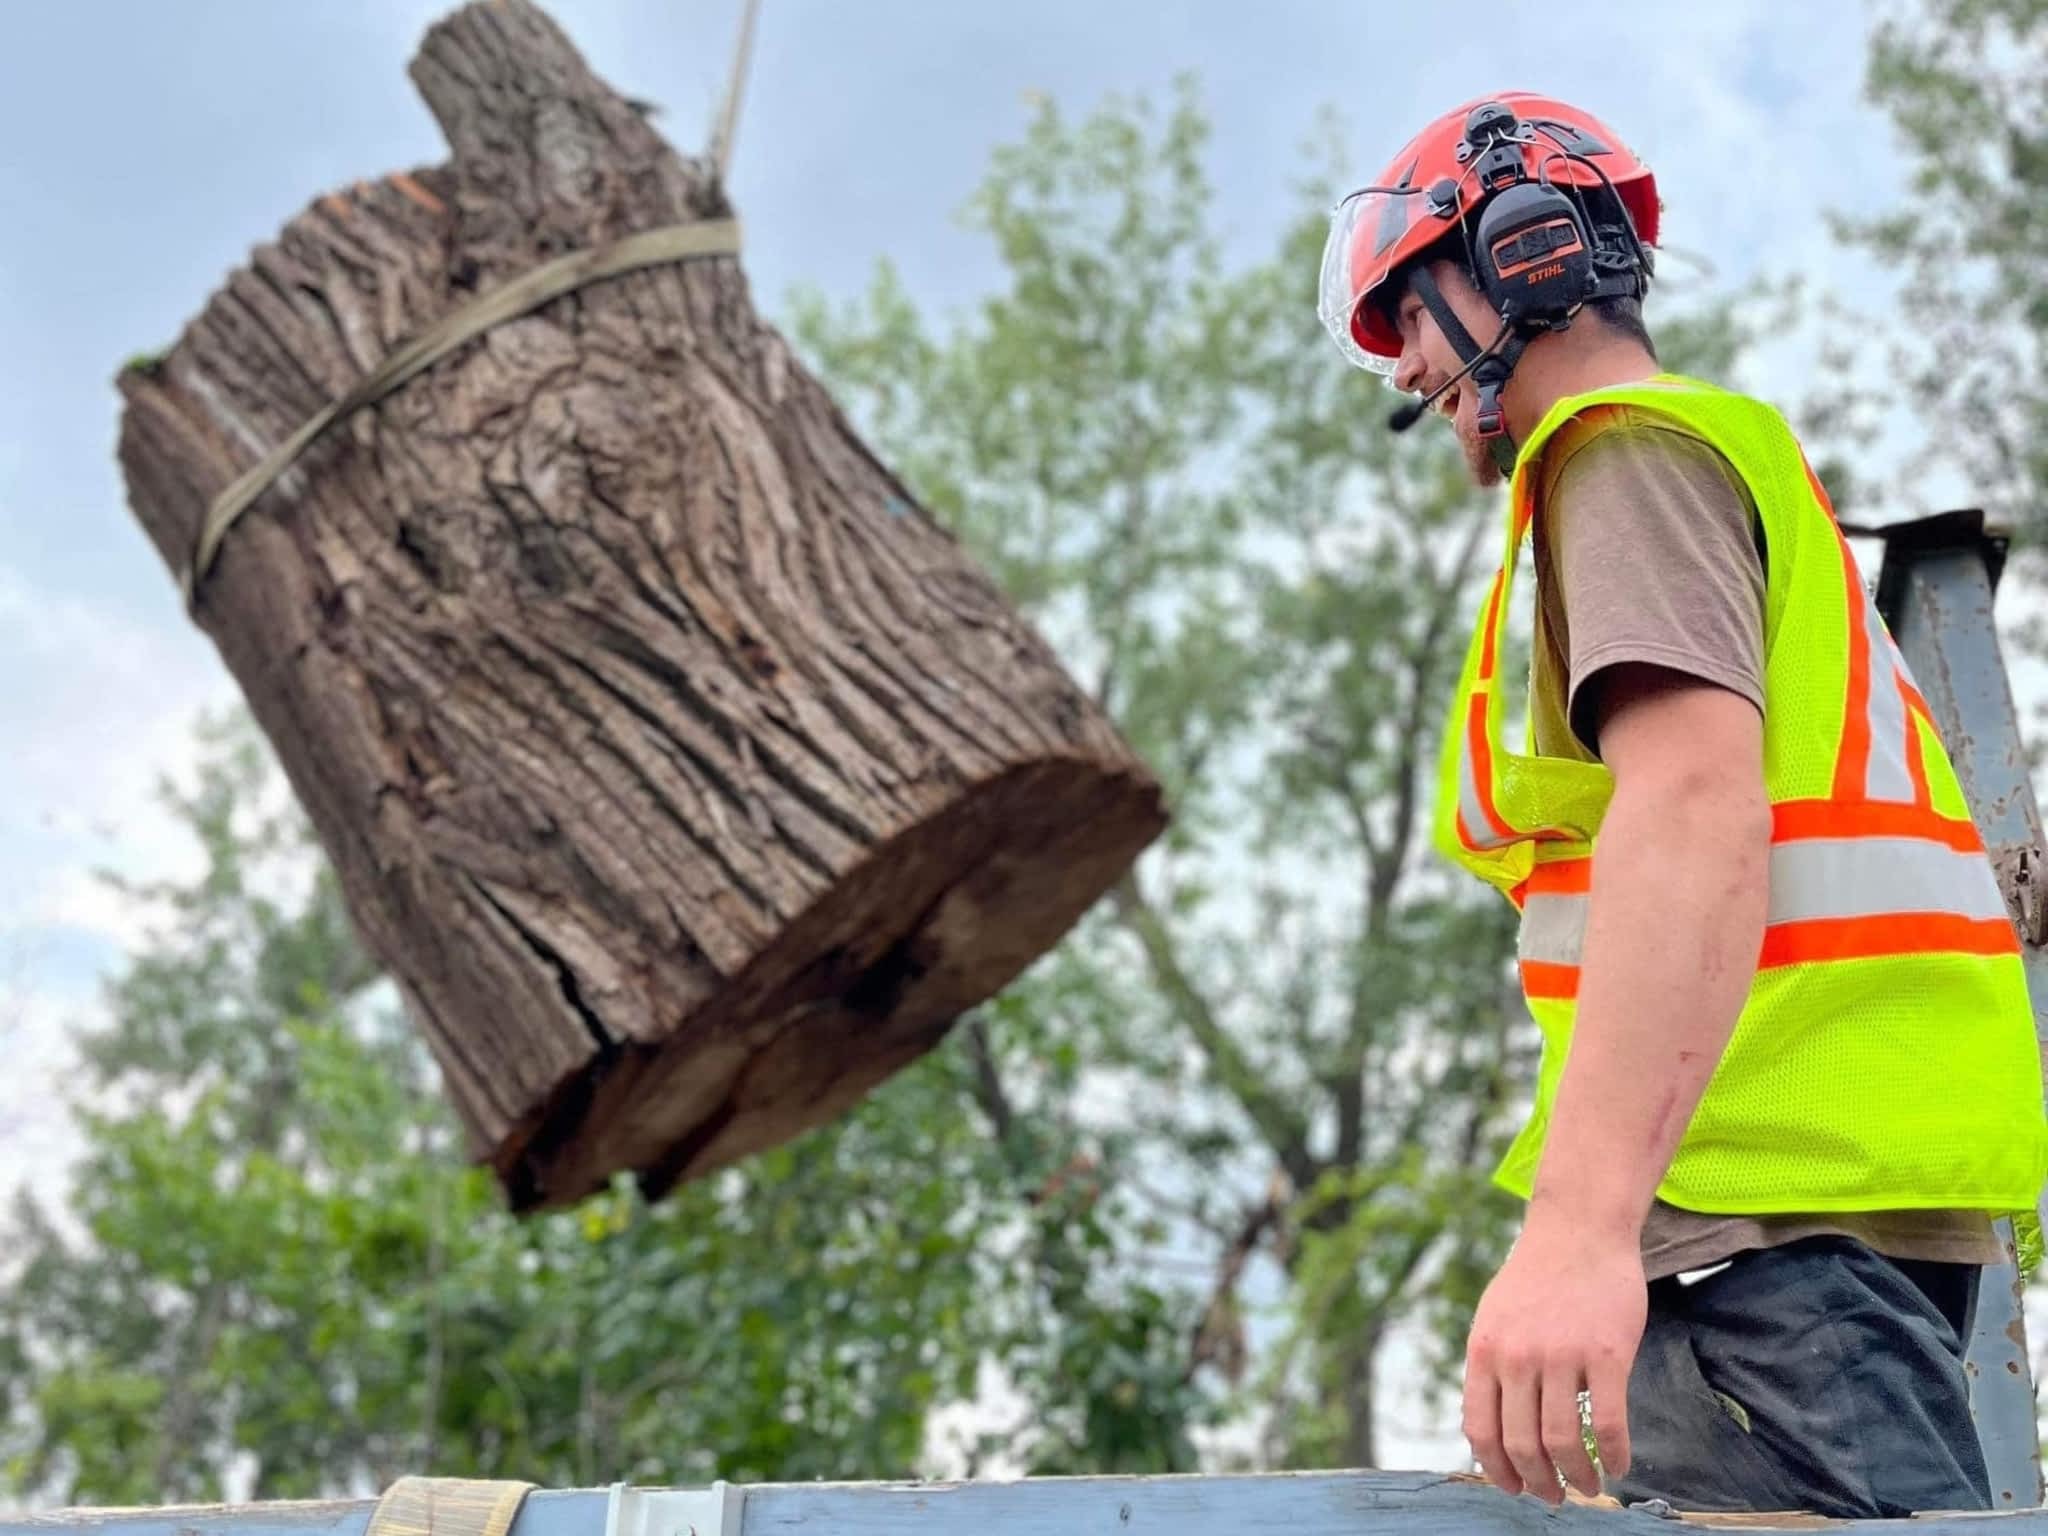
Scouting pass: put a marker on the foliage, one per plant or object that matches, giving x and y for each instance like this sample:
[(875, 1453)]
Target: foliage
[(1312, 1037), (276, 1265), (1965, 83), (1201, 1163), (1164, 458)]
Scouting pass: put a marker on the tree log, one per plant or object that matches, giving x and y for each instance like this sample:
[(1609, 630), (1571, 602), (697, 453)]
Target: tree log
[(685, 774)]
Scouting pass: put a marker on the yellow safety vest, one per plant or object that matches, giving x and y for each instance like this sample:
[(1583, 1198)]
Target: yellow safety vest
[(1885, 1058)]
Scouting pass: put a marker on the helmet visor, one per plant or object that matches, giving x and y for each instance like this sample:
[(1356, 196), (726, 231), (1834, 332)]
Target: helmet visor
[(1359, 226)]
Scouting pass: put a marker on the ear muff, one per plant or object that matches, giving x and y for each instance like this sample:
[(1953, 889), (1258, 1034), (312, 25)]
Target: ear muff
[(1532, 256)]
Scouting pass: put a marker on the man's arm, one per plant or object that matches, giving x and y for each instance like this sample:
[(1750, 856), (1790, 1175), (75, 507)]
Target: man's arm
[(1674, 927)]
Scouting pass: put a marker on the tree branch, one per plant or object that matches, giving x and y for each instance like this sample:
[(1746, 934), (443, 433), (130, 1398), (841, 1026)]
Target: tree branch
[(989, 1092), (1116, 612), (1486, 1105), (1423, 1242), (1349, 1092), (1384, 864), (178, 1423), (1336, 762), (1189, 1211), (1284, 1131), (1219, 1338), (1424, 662), (437, 1328), (1427, 1238)]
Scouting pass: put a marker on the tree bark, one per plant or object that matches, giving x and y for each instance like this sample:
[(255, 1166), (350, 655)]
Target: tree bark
[(688, 778)]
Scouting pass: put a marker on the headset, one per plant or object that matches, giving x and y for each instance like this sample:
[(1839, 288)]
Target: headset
[(1537, 254)]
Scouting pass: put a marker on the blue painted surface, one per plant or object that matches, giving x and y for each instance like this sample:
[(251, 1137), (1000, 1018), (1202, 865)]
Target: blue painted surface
[(1297, 1504), (1944, 626), (342, 1518)]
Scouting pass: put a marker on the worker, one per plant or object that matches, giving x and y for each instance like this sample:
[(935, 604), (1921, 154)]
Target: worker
[(1789, 1074)]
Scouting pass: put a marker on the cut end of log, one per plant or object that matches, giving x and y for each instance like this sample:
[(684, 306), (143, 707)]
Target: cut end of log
[(933, 922)]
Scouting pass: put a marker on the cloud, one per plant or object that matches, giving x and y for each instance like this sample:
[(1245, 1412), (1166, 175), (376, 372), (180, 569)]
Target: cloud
[(37, 1138), (100, 704), (77, 897)]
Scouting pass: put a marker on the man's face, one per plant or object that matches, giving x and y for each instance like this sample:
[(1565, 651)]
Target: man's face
[(1427, 359)]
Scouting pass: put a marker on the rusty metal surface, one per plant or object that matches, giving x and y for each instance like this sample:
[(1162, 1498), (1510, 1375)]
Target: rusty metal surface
[(2019, 879), (1937, 593)]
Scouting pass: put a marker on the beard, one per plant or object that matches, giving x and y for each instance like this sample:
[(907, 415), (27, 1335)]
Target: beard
[(1479, 462)]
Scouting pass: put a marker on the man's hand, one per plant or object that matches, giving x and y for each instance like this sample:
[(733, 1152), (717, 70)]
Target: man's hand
[(1564, 1315)]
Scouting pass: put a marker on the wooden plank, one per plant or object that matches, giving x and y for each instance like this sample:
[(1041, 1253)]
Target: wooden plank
[(1298, 1504)]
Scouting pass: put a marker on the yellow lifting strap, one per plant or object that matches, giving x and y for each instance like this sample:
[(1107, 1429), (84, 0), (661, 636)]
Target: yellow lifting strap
[(447, 1506)]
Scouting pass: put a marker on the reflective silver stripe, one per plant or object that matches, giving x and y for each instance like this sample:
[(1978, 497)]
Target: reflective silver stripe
[(1813, 879), (1899, 661), (1553, 929), (1885, 777), (1477, 826), (1875, 876)]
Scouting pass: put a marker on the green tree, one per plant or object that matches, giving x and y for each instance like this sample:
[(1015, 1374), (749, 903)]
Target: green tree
[(1310, 1034), (275, 1262), (1307, 1036), (1965, 83), (1202, 1162)]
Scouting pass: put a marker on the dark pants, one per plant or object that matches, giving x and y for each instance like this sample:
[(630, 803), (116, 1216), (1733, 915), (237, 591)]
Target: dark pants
[(1818, 1376)]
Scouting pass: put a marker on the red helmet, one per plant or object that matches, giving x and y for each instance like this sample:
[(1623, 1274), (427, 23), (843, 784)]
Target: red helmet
[(1373, 232)]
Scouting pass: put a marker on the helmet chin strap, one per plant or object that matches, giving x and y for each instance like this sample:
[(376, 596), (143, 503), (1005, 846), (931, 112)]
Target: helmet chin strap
[(1491, 366)]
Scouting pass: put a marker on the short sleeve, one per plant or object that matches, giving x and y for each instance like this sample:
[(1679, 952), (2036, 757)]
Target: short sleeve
[(1655, 547)]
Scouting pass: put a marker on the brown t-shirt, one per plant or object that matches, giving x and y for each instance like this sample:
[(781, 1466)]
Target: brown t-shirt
[(1648, 549)]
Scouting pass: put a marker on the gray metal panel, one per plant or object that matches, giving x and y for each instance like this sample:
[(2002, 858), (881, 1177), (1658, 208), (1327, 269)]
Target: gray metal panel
[(1298, 1504), (1940, 612)]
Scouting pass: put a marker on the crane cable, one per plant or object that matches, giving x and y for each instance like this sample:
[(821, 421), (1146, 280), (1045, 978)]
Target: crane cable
[(727, 125)]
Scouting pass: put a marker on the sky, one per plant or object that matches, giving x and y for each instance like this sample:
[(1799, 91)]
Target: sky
[(149, 146)]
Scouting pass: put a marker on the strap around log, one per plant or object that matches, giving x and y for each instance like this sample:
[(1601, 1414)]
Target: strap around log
[(530, 290), (447, 1506)]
